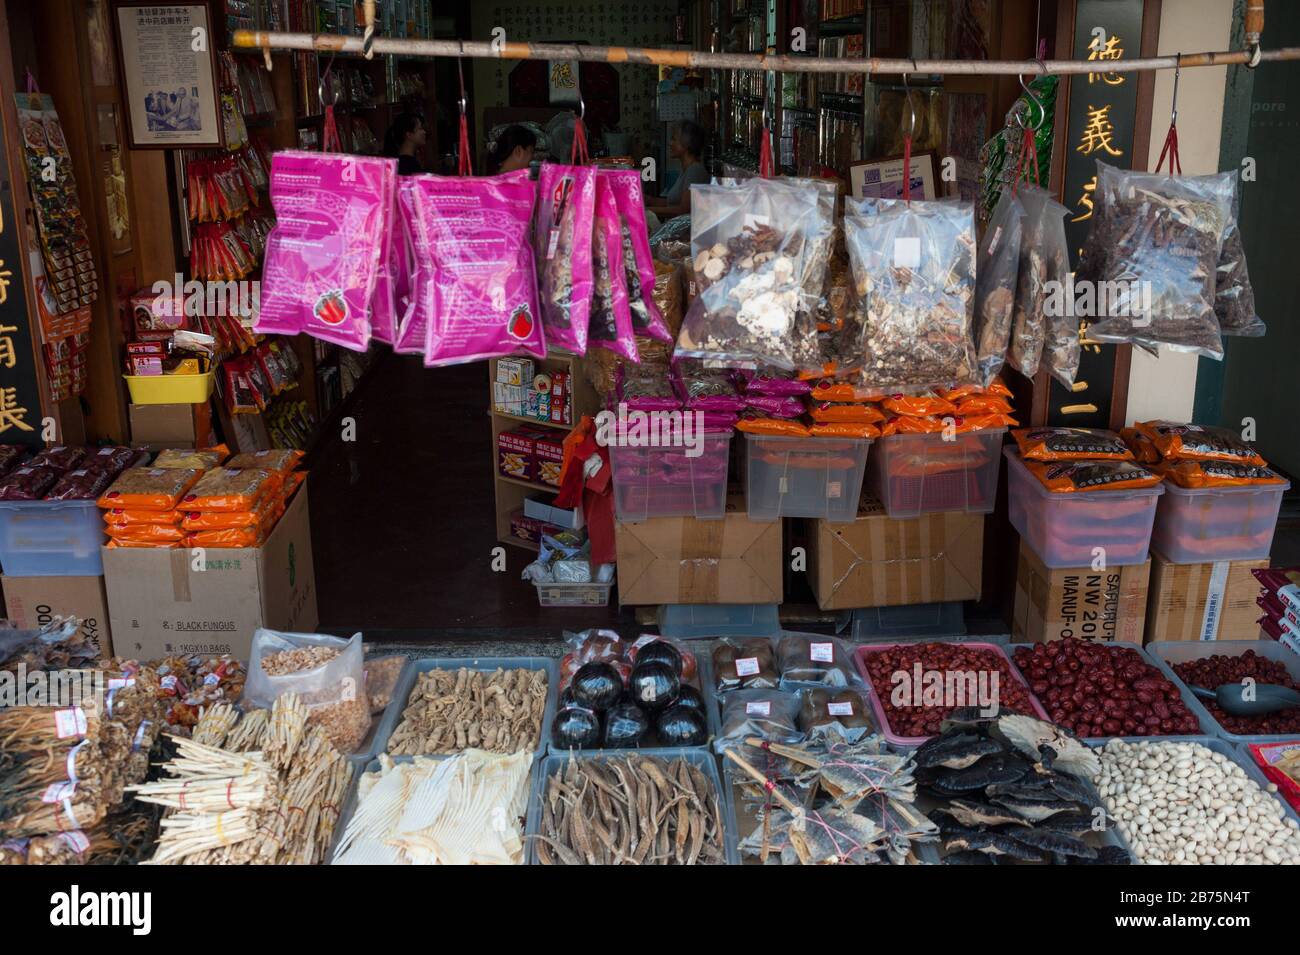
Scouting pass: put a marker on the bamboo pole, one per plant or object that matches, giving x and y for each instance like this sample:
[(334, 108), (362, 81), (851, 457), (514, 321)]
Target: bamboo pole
[(479, 49)]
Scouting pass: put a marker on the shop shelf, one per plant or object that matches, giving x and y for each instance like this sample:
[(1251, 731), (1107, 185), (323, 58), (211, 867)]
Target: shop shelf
[(170, 389), (915, 474), (1064, 529), (1196, 525), (706, 621), (573, 595), (703, 677), (667, 482), (411, 673), (1189, 699), (909, 621), (861, 653), (51, 538), (699, 758), (1168, 654), (804, 477)]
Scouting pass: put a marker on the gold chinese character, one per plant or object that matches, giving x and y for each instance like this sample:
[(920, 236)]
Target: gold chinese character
[(8, 356), (1110, 50), (1085, 200), (1084, 340), (1098, 133), (5, 276), (11, 413), (1079, 409)]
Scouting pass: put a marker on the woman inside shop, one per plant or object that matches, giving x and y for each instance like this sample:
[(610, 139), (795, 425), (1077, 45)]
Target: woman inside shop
[(404, 137), (687, 146), (512, 150)]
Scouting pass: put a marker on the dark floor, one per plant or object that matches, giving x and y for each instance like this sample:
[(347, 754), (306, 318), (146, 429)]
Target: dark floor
[(403, 518)]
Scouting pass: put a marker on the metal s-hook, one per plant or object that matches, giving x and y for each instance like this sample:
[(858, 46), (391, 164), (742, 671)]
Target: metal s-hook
[(582, 106), (320, 86), (911, 108), (266, 56), (1042, 110), (460, 75), (1173, 103)]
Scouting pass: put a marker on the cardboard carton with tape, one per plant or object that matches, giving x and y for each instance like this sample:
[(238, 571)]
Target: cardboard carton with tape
[(1211, 601), (1053, 603)]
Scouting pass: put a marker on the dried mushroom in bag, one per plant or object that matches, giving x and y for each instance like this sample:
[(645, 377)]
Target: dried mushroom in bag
[(753, 246), (1160, 237), (1044, 260), (995, 285), (914, 268)]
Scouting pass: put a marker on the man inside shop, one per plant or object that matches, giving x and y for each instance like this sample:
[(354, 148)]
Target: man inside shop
[(687, 146)]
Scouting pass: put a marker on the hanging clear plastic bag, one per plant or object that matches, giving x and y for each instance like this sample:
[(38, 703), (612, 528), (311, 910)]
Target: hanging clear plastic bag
[(817, 277), (753, 246), (998, 265), (1062, 346), (611, 316), (1041, 264), (914, 269), (1160, 236)]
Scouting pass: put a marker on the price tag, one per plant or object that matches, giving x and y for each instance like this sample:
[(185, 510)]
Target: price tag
[(76, 841), (834, 489), (211, 680), (120, 682), (69, 723), (58, 792), (747, 666), (821, 652), (839, 709), (552, 243), (993, 239), (758, 708), (907, 252)]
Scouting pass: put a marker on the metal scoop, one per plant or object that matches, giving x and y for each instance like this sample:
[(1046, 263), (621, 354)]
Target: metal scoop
[(1268, 698)]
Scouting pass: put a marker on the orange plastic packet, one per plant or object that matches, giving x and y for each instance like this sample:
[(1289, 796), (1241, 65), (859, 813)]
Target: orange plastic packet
[(983, 404), (204, 460), (1197, 442), (146, 532), (918, 405), (1143, 448), (1066, 477), (158, 489), (279, 459), (844, 391), (292, 481), (126, 516), (228, 490), (226, 520), (996, 389), (826, 411), (122, 542), (1071, 444), (786, 427), (1198, 474), (231, 537), (913, 424), (843, 429), (986, 422)]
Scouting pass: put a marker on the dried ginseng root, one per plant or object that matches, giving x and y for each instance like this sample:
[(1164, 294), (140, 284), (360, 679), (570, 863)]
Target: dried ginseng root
[(452, 710), (914, 267), (995, 286), (1041, 264)]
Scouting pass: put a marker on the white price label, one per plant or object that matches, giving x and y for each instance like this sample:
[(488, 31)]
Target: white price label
[(120, 682), (907, 252), (70, 723), (747, 666), (76, 841), (58, 792), (211, 680), (821, 652), (839, 709), (834, 489), (758, 708)]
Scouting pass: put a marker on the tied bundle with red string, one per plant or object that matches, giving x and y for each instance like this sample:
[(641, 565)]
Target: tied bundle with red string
[(566, 196)]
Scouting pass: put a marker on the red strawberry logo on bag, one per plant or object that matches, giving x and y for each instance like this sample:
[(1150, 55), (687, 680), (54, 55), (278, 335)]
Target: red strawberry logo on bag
[(331, 308), (521, 323)]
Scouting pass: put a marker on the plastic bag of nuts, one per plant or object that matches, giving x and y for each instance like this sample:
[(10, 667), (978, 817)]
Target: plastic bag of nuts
[(327, 673), (914, 267), (754, 246)]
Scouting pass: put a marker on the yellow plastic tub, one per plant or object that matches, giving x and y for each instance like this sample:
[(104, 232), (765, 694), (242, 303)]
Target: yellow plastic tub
[(170, 389)]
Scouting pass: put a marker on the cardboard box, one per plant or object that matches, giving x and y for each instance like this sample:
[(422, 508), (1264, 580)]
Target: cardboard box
[(878, 561), (1053, 603), (508, 399), (680, 560), (159, 604), (31, 602), (542, 507), (550, 459), (171, 426), (517, 454), (1212, 601), (515, 371)]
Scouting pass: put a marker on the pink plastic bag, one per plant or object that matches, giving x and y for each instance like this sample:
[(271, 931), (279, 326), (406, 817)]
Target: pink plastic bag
[(475, 277), (323, 255), (566, 202), (611, 319), (413, 319), (638, 259), (383, 307)]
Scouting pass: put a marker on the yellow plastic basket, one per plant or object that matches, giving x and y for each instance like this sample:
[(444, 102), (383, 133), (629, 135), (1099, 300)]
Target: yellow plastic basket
[(170, 389)]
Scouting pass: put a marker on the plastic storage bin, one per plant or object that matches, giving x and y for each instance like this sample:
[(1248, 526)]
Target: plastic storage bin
[(170, 389), (915, 474), (1195, 525), (701, 759), (705, 621), (573, 595), (1167, 654), (406, 683), (51, 538), (1064, 529), (859, 660), (909, 621), (668, 482), (804, 477)]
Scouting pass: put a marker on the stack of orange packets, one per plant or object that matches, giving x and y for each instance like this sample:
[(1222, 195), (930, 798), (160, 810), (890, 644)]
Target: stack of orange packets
[(1198, 456), (238, 505)]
